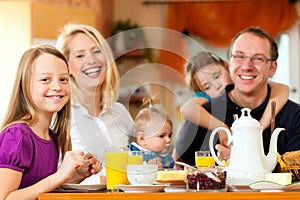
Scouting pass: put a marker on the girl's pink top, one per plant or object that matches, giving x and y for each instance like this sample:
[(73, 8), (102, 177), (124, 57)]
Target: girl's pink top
[(22, 150)]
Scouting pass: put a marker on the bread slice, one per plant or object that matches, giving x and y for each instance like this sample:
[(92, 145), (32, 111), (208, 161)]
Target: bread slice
[(170, 176), (291, 158)]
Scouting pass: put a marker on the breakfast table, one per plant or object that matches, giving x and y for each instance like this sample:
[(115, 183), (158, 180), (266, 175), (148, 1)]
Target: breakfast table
[(172, 196)]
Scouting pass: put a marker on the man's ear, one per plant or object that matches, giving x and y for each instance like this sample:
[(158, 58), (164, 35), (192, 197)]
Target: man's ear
[(140, 138), (273, 69)]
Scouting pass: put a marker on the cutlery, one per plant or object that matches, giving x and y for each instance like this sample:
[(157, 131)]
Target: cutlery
[(273, 107)]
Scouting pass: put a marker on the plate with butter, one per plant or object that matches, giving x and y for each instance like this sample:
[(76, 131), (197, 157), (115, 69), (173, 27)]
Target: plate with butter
[(276, 181), (268, 185)]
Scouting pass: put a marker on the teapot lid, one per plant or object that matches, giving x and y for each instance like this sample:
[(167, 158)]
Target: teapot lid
[(246, 120)]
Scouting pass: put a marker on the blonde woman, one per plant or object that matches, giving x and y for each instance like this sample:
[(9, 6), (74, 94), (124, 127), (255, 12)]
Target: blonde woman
[(97, 119)]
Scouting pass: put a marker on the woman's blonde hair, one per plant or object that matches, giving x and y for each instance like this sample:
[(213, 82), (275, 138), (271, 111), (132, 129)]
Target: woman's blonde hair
[(21, 108), (144, 117), (110, 89)]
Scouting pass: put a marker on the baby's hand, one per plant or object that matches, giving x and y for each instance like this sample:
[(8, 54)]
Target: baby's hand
[(156, 161)]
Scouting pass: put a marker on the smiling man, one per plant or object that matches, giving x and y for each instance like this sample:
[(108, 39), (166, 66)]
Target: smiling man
[(253, 57)]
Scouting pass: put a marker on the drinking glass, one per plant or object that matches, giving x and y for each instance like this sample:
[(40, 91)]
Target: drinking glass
[(204, 159), (135, 157), (116, 160)]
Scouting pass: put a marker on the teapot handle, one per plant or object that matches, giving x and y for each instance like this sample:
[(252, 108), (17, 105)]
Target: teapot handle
[(211, 143)]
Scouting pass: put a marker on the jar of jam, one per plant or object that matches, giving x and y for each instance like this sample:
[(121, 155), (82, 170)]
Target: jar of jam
[(206, 179)]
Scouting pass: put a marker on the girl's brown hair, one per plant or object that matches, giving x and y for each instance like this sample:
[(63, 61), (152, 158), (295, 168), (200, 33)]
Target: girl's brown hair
[(21, 108), (196, 63)]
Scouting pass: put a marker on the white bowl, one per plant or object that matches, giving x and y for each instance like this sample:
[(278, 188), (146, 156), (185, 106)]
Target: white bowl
[(141, 174)]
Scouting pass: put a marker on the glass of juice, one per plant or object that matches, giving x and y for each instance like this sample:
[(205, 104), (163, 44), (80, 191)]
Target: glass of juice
[(116, 160), (204, 159), (135, 157)]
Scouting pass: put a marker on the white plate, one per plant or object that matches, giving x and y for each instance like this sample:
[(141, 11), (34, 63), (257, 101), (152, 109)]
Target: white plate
[(142, 188), (240, 188), (83, 186), (268, 185), (175, 189), (171, 182)]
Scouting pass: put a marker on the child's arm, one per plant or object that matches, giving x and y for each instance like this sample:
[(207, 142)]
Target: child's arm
[(11, 179), (280, 94), (193, 111)]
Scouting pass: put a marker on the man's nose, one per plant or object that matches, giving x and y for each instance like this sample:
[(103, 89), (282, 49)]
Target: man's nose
[(247, 64)]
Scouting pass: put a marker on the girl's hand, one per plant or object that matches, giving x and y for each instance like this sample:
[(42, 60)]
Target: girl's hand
[(73, 160), (91, 166)]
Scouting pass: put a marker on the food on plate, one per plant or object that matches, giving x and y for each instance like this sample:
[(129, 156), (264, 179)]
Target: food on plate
[(280, 161), (291, 158), (289, 163), (280, 178), (170, 175), (206, 179)]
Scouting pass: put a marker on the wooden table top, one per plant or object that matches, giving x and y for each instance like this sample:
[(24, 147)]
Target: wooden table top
[(173, 196)]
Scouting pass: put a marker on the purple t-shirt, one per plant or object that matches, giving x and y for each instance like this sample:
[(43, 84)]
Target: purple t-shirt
[(22, 150)]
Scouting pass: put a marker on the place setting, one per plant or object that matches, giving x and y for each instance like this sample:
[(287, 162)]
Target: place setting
[(142, 179), (83, 187), (254, 171), (126, 172)]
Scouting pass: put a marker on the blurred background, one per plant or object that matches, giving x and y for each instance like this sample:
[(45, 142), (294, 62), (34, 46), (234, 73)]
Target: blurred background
[(151, 39)]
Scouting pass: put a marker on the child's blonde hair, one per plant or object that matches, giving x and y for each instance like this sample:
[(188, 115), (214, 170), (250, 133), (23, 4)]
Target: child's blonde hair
[(144, 117), (21, 108)]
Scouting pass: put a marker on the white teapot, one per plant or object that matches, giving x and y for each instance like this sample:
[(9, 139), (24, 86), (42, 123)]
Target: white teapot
[(248, 162)]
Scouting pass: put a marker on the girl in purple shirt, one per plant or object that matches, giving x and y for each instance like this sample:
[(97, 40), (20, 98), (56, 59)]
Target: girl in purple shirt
[(35, 130)]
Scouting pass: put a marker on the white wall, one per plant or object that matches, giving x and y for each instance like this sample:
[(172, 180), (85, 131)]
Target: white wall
[(294, 33), (14, 39)]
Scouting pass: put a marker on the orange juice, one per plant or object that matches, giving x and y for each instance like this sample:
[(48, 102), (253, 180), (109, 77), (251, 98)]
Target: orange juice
[(116, 169), (204, 161), (135, 160)]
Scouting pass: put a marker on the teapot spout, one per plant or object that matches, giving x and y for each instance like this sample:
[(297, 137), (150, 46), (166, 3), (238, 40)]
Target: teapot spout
[(272, 155)]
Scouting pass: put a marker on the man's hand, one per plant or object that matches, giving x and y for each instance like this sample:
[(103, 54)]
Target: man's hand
[(223, 150)]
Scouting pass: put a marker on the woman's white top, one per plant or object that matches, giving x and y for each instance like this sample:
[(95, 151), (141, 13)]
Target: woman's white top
[(113, 127)]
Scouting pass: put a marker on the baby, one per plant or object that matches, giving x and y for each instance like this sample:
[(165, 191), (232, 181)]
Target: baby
[(153, 135)]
